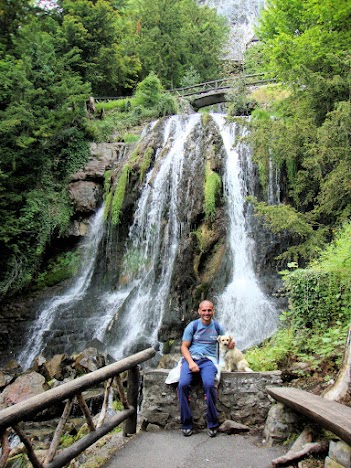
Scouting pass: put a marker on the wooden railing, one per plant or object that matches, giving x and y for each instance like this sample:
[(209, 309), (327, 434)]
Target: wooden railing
[(12, 417), (221, 84), (208, 86)]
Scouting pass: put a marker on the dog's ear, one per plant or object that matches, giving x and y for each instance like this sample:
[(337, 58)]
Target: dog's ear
[(219, 338), (230, 337)]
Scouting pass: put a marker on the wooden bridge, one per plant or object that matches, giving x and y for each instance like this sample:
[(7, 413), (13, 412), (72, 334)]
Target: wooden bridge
[(214, 92), (210, 92)]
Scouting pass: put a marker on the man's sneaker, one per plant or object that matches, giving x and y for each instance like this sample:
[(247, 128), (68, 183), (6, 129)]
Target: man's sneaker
[(212, 432), (187, 432)]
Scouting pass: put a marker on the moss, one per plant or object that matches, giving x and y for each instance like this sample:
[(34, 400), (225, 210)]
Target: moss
[(118, 197), (146, 162), (213, 185), (62, 267), (107, 182), (107, 207)]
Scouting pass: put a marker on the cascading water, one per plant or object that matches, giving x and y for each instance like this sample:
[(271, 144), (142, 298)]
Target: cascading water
[(126, 311), (62, 304), (153, 242), (243, 308)]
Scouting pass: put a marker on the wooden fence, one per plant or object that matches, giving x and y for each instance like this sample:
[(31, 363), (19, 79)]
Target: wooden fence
[(208, 86), (12, 416)]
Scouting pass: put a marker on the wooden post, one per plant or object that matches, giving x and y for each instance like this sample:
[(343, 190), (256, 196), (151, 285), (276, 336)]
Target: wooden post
[(30, 452), (122, 397), (5, 445), (58, 433), (132, 397), (84, 407), (105, 403), (64, 457)]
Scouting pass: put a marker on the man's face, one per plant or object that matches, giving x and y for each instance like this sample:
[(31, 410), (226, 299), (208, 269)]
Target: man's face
[(206, 311)]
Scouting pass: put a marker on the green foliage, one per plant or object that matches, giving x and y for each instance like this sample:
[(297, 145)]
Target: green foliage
[(42, 141), (318, 298), (148, 91), (119, 194), (178, 39), (105, 43), (62, 267), (305, 135), (273, 352), (309, 237), (146, 162), (319, 315), (213, 186), (149, 102), (117, 405), (67, 440)]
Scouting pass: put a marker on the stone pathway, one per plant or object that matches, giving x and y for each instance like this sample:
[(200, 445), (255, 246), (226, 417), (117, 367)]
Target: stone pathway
[(170, 449)]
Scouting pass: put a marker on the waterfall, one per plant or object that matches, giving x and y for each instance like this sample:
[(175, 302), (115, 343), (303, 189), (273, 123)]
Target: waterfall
[(153, 240), (273, 189), (243, 309), (64, 302), (122, 296)]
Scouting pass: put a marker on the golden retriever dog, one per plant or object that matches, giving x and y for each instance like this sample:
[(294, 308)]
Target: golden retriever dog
[(234, 360)]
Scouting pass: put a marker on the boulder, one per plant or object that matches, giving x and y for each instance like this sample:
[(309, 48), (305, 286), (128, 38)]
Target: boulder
[(53, 369), (25, 386), (5, 379), (88, 360), (85, 195), (232, 427)]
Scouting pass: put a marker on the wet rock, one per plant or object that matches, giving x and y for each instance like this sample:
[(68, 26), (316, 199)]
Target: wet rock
[(53, 369), (25, 386), (5, 379), (88, 360), (85, 196)]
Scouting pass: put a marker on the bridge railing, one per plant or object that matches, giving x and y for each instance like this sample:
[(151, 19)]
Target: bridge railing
[(12, 416), (221, 84)]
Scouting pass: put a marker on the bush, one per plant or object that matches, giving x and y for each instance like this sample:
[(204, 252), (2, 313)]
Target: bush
[(148, 91)]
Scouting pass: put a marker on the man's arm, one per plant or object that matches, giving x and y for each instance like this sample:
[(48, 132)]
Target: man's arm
[(186, 354)]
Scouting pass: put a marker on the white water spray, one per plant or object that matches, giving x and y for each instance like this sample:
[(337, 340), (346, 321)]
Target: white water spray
[(243, 308), (153, 243), (48, 314)]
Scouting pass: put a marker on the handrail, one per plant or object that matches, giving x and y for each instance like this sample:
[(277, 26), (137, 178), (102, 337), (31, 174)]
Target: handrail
[(23, 411), (213, 85)]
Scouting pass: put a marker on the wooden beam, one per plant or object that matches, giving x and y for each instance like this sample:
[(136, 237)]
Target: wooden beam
[(58, 433), (78, 447), (27, 408), (132, 397), (329, 414), (30, 452)]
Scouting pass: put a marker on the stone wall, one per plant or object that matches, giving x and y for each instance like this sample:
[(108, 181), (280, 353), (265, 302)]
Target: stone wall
[(242, 397)]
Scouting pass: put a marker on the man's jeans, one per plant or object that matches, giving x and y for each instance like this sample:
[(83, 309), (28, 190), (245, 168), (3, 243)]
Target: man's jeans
[(207, 373)]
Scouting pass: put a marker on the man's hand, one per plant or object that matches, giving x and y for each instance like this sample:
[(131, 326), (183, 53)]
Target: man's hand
[(194, 367), (231, 345)]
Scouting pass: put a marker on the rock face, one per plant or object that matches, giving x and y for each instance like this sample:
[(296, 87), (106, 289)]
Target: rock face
[(202, 259), (242, 398), (86, 186), (242, 16)]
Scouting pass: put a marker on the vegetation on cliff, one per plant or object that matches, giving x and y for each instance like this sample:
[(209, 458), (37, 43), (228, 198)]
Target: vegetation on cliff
[(53, 56), (302, 126)]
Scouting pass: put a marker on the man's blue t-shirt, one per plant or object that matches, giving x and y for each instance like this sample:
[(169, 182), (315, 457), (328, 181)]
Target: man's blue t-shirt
[(203, 341)]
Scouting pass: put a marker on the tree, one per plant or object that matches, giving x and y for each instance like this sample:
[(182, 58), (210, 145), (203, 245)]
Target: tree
[(176, 36), (105, 42), (42, 140)]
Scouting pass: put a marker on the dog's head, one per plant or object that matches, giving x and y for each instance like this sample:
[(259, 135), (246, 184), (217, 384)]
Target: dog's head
[(224, 340)]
